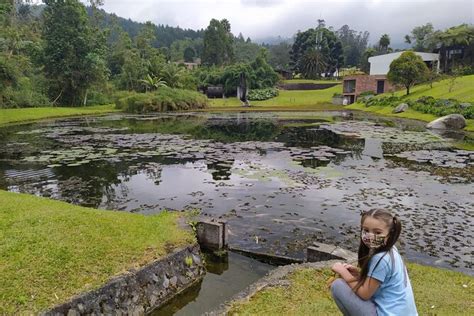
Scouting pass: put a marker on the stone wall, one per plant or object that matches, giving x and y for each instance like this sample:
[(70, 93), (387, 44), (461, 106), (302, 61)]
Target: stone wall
[(140, 292), (306, 86)]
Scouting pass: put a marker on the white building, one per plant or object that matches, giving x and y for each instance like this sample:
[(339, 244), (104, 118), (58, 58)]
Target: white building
[(380, 65)]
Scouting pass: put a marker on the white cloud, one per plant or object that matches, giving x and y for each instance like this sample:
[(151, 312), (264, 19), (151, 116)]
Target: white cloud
[(260, 18)]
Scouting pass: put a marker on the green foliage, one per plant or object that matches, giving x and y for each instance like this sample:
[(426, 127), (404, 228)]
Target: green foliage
[(259, 74), (407, 70), (354, 45), (384, 42), (218, 43), (74, 52), (321, 48), (262, 94), (188, 261), (164, 99), (279, 56), (425, 104)]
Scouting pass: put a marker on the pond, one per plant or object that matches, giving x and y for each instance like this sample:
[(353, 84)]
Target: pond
[(281, 180)]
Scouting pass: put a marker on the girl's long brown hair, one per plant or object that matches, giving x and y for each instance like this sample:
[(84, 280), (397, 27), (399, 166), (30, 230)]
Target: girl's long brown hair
[(364, 255)]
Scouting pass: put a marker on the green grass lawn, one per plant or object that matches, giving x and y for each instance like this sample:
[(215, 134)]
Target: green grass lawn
[(286, 100), (437, 292), (463, 91), (8, 116), (51, 250)]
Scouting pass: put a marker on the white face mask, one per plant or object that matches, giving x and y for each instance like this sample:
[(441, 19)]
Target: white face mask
[(372, 240)]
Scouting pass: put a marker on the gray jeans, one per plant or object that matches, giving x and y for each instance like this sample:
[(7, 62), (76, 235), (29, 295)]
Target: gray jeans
[(348, 302)]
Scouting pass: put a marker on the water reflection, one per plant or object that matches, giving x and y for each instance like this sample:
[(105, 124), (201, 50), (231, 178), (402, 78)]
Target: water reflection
[(280, 186), (225, 277)]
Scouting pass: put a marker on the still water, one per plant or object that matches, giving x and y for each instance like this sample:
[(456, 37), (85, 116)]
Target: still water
[(281, 180)]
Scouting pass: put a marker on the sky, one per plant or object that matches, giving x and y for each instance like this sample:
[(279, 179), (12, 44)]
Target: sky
[(260, 19)]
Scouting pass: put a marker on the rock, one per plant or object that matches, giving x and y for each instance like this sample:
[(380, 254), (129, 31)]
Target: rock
[(465, 105), (402, 107), (173, 281), (347, 115), (452, 121)]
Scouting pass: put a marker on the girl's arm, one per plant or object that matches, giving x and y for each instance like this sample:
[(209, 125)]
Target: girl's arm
[(366, 290)]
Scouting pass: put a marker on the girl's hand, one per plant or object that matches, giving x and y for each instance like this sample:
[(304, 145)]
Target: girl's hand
[(353, 270), (338, 267)]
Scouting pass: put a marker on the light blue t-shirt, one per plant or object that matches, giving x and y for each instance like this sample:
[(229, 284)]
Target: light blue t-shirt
[(394, 295)]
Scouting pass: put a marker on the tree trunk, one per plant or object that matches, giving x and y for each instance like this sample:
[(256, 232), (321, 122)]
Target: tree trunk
[(85, 98), (408, 90)]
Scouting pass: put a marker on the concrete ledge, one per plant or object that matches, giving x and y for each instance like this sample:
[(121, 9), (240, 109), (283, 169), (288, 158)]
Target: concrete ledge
[(323, 252), (139, 291), (265, 257)]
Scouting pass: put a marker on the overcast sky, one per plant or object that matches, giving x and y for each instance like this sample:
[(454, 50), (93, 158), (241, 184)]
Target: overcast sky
[(264, 18)]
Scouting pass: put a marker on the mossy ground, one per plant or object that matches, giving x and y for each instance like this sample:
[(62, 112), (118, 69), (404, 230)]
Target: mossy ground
[(8, 116), (51, 250), (437, 292)]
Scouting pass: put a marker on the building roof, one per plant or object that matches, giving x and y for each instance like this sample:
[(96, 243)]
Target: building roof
[(392, 56)]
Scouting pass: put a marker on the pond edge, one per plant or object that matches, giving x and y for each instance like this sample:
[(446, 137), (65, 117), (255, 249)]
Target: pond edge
[(140, 291)]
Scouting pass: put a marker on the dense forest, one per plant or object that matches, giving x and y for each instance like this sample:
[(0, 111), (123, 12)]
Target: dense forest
[(64, 53)]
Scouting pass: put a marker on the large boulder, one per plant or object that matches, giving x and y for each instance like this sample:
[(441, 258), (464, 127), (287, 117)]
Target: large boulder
[(402, 107), (451, 121)]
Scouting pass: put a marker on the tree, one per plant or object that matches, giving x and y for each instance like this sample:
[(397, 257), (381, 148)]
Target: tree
[(189, 54), (73, 53), (153, 83), (313, 64), (353, 45), (319, 39), (407, 70), (423, 38), (218, 40), (279, 56), (384, 43)]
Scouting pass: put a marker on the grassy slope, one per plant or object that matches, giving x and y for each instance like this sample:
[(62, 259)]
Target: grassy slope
[(286, 100), (436, 291), (463, 90), (8, 116), (51, 250)]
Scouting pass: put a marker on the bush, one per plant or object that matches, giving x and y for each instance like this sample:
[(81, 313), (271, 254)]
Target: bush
[(24, 95), (262, 94), (426, 104), (164, 99)]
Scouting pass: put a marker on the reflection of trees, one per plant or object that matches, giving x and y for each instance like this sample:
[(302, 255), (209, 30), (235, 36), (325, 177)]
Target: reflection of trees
[(220, 170), (87, 184), (308, 137)]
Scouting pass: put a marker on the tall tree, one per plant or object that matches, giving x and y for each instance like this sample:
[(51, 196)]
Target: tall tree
[(422, 38), (354, 45), (407, 70), (320, 39), (73, 53), (384, 43), (279, 56), (218, 40)]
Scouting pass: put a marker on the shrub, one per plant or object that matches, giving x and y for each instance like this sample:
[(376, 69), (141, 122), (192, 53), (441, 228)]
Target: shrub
[(425, 104), (164, 99), (262, 94)]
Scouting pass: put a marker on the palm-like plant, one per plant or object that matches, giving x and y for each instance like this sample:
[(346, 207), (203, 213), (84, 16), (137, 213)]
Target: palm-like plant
[(152, 83), (172, 75), (313, 64)]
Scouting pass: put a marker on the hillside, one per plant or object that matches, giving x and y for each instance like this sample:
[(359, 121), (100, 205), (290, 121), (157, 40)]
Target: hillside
[(462, 90)]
